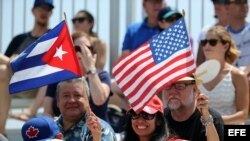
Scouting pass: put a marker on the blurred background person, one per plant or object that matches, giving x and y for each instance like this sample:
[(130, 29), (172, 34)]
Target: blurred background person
[(42, 11), (84, 21), (135, 36), (221, 14), (239, 30)]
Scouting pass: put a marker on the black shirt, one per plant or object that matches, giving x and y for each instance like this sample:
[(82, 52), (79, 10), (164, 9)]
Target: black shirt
[(192, 129)]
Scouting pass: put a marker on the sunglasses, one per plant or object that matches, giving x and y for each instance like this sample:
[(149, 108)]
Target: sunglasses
[(78, 49), (211, 42), (142, 114), (239, 2), (179, 86), (79, 20)]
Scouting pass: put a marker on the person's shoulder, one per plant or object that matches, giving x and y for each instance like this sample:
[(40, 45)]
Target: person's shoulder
[(21, 36), (248, 26), (237, 74), (136, 25)]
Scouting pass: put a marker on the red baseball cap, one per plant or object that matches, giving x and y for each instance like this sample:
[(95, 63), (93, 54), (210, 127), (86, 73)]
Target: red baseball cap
[(153, 106)]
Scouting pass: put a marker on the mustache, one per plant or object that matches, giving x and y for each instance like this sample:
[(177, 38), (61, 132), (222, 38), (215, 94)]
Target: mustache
[(173, 96)]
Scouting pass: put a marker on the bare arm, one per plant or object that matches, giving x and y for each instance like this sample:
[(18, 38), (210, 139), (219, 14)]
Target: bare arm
[(4, 59), (202, 105), (242, 99), (47, 104), (100, 49), (98, 90), (38, 101)]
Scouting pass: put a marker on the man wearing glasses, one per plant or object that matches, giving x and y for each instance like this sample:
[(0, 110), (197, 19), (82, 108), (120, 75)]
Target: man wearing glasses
[(187, 112)]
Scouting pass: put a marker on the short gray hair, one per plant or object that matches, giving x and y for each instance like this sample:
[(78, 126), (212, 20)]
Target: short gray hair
[(76, 80)]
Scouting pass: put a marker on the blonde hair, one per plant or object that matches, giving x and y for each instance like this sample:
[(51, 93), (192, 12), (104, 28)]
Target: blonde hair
[(232, 53)]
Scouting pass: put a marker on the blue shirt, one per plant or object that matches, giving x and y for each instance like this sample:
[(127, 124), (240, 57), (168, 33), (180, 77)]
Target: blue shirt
[(80, 131), (137, 34), (242, 40)]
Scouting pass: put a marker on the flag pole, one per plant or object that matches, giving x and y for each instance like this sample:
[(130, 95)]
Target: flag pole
[(183, 13), (65, 17)]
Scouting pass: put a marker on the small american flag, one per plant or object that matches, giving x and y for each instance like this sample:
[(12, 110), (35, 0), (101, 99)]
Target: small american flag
[(164, 59)]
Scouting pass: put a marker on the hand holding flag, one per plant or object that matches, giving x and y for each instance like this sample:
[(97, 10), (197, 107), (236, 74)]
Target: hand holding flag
[(164, 59), (50, 59)]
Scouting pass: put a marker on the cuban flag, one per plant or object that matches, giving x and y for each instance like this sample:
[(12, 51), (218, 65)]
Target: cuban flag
[(50, 59)]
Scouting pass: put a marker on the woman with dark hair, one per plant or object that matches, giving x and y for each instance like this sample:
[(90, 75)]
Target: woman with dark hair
[(84, 22), (149, 124), (159, 134)]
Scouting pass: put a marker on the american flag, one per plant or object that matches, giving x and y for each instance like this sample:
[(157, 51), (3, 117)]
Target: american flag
[(160, 61)]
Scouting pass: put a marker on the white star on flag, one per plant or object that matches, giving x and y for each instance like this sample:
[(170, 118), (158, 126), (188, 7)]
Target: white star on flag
[(59, 52)]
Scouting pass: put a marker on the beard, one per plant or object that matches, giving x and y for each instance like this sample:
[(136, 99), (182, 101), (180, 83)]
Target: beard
[(174, 106), (174, 103)]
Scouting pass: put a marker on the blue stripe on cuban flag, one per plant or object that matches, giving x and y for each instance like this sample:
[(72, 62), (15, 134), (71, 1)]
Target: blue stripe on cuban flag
[(29, 71)]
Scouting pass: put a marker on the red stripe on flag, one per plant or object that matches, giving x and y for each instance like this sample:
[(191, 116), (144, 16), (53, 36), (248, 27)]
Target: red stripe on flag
[(132, 68), (134, 55), (163, 85), (131, 81)]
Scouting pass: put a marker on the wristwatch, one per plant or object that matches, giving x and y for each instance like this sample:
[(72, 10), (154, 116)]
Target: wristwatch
[(91, 71)]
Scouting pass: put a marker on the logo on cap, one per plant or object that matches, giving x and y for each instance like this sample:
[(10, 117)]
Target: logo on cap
[(32, 132)]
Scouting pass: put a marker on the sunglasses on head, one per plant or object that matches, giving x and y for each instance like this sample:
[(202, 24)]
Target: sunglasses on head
[(79, 20), (142, 114)]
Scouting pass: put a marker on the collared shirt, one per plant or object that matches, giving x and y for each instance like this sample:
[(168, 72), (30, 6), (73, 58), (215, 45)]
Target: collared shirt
[(80, 131), (137, 34)]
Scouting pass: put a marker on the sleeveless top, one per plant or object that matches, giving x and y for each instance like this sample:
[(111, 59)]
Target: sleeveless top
[(222, 96)]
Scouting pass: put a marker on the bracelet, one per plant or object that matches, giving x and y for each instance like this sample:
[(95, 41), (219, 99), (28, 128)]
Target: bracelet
[(210, 120)]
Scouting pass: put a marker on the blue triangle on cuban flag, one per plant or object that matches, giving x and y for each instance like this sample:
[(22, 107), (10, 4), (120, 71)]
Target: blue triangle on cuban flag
[(50, 59)]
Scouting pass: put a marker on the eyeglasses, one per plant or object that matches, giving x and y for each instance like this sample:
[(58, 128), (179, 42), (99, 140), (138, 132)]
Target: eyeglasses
[(142, 114), (179, 86), (211, 42), (79, 20)]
